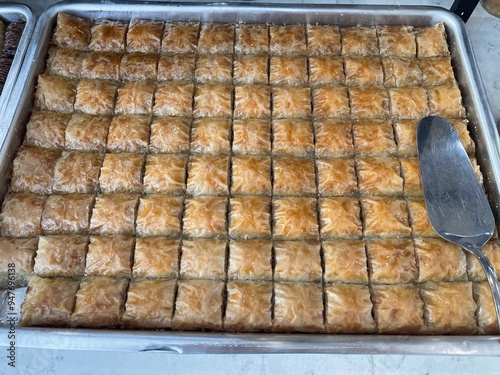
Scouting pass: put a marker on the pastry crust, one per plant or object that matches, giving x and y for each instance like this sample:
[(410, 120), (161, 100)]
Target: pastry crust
[(109, 256), (252, 39), (392, 261), (99, 302), (216, 38), (198, 305), (22, 215), (176, 68), (295, 218), (128, 133), (121, 173), (156, 257), (48, 302), (165, 174), (419, 220), (359, 41), (339, 218), (293, 177), (485, 313), (114, 214), (385, 217), (349, 309), (67, 213), (251, 136), (373, 138), (412, 185), (250, 69), (144, 36), (65, 62), (86, 132), (251, 175), (61, 256), (213, 100), (71, 32), (150, 304), (363, 71), (55, 94), (397, 41), (77, 172), (252, 101), (291, 102), (474, 270), (249, 217), (345, 261), (369, 102), (408, 103), (323, 40), (46, 130), (431, 41), (208, 175), (101, 65), (446, 101), (170, 135), (139, 67), (293, 137), (96, 97), (379, 176), (214, 69), (330, 102), (406, 137), (205, 217), (287, 39), (298, 307), (248, 306), (136, 98), (180, 37), (298, 261), (326, 70), (21, 252), (108, 36), (336, 177), (460, 126), (333, 138), (203, 259), (401, 71), (250, 260), (211, 136), (288, 70), (159, 215), (436, 71)]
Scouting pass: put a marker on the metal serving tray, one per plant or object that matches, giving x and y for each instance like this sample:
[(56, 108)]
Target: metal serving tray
[(483, 131)]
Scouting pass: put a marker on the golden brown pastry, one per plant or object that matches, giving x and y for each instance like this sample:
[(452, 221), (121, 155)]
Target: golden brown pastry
[(109, 256), (288, 70), (373, 138), (297, 261), (369, 102), (330, 102), (486, 314), (251, 136), (136, 98), (46, 130), (71, 32), (287, 39), (412, 185), (251, 175), (474, 270), (252, 101), (431, 41), (445, 101), (249, 217), (205, 217), (86, 132), (180, 37), (55, 93), (176, 68), (293, 177), (385, 217), (295, 218), (165, 174), (96, 97), (20, 252), (250, 260), (436, 71), (359, 41), (128, 133), (339, 217), (293, 137), (408, 103), (67, 213), (144, 36), (121, 173), (333, 138), (114, 214), (101, 65), (401, 71), (326, 70), (336, 177), (252, 39), (203, 259), (77, 172), (211, 136), (108, 36), (323, 40), (139, 67), (291, 102), (460, 126), (406, 137), (419, 221), (208, 175), (169, 135), (379, 176), (159, 215), (213, 100), (250, 69), (156, 257), (65, 62), (345, 261), (397, 41), (214, 69), (363, 71), (216, 38), (22, 215)]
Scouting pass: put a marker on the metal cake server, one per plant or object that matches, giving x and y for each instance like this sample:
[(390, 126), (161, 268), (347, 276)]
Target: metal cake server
[(455, 201)]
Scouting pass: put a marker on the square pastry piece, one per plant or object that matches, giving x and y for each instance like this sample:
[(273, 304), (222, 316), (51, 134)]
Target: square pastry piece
[(87, 132), (114, 214), (96, 97), (129, 133), (293, 137), (291, 102), (250, 217), (446, 101), (345, 261), (474, 270), (77, 172), (363, 71), (180, 37), (144, 36), (109, 256), (406, 137), (22, 215), (486, 313), (216, 38), (401, 71), (211, 136), (214, 68), (252, 39), (65, 62), (419, 219), (165, 173), (136, 98), (138, 67), (252, 136), (295, 218), (121, 173), (49, 302), (250, 69), (379, 176), (248, 306), (173, 99), (205, 217), (288, 70), (412, 185), (212, 100), (250, 260), (293, 177), (21, 252), (156, 257), (369, 102), (297, 261), (333, 138), (339, 217), (208, 175), (169, 135), (198, 305), (101, 65), (150, 304), (373, 138), (397, 41), (287, 39), (67, 213), (298, 307), (252, 101), (431, 41), (159, 215), (55, 93), (72, 32), (176, 68), (330, 101), (251, 175), (99, 302), (323, 40), (408, 103), (336, 176), (359, 41), (326, 70), (108, 36), (437, 71), (46, 130), (203, 259)]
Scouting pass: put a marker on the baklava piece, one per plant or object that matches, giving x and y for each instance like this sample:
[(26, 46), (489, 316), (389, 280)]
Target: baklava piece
[(108, 36), (431, 41), (379, 176), (139, 67), (291, 102), (369, 102), (65, 62), (298, 307), (205, 217), (293, 137), (156, 257), (55, 93), (144, 36), (359, 41), (77, 172), (208, 175), (373, 138), (252, 39), (349, 309), (250, 260), (72, 32), (48, 302), (298, 261), (99, 302), (398, 309), (213, 101), (121, 173), (449, 308), (363, 71), (336, 177), (170, 135), (397, 41), (87, 132), (345, 261), (150, 304), (250, 217), (250, 69), (19, 251), (408, 103), (251, 136), (65, 214), (339, 217), (392, 261), (214, 69), (330, 101), (293, 177), (385, 217), (419, 220), (485, 313), (412, 185), (286, 70), (101, 65), (159, 215), (128, 133), (437, 71), (248, 306), (203, 259), (33, 170), (46, 130), (325, 70), (446, 101), (333, 138), (401, 71), (251, 175), (180, 37), (440, 260), (460, 126), (216, 38), (211, 136), (295, 218), (406, 137), (114, 214), (96, 97), (109, 256), (176, 68), (287, 39), (61, 256), (22, 215), (474, 270), (252, 101), (136, 98), (323, 40), (165, 174), (198, 305)]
